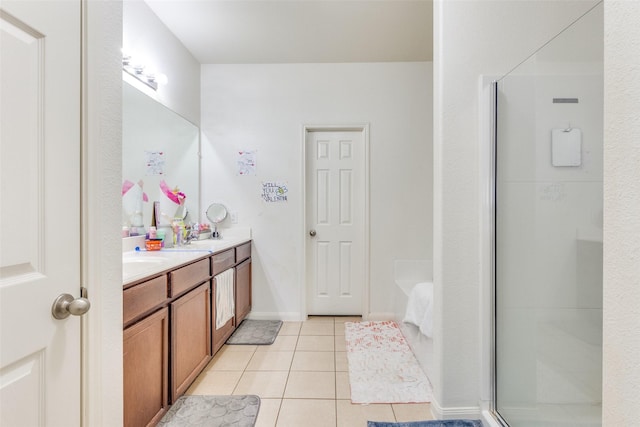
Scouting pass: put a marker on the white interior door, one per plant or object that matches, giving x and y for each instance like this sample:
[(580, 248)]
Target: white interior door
[(336, 195), (39, 211)]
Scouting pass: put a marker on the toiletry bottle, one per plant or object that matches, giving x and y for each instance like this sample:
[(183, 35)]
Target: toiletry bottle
[(153, 232), (160, 235)]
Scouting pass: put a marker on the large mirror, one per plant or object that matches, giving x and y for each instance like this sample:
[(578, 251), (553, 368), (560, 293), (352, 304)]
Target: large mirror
[(160, 162)]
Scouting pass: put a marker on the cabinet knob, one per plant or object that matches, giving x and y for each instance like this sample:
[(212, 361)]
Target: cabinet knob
[(312, 233)]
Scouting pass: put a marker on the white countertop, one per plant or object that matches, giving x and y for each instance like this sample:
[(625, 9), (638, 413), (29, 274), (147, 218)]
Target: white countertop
[(139, 264)]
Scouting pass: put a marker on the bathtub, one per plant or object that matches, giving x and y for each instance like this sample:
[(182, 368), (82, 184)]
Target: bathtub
[(407, 273)]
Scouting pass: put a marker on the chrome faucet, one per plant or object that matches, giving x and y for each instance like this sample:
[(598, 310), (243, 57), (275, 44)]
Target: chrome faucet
[(193, 234)]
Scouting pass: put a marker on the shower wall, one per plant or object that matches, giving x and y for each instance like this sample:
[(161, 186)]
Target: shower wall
[(549, 232)]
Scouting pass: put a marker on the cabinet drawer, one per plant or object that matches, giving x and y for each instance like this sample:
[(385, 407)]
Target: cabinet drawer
[(243, 252), (141, 298), (187, 277), (223, 260)]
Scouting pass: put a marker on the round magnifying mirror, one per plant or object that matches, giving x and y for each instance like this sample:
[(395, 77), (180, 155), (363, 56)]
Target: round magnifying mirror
[(216, 213)]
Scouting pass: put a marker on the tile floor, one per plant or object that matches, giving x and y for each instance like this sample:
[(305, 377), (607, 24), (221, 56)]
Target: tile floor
[(302, 379)]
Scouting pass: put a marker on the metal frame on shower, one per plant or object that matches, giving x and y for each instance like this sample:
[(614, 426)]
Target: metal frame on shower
[(493, 152)]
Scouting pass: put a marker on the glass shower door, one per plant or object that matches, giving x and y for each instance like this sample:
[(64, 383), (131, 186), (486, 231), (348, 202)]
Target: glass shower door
[(548, 225)]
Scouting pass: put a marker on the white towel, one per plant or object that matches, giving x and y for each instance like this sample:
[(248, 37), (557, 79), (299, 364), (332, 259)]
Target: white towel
[(225, 305), (420, 308)]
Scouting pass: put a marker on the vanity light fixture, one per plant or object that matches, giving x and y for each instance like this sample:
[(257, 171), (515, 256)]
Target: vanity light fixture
[(151, 79)]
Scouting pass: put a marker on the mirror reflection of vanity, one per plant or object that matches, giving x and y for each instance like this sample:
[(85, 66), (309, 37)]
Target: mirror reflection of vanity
[(158, 145)]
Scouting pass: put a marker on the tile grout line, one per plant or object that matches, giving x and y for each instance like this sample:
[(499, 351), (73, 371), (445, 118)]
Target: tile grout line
[(288, 374), (243, 371)]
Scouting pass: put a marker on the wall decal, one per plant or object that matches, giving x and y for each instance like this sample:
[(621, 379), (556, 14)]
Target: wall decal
[(246, 162), (274, 192), (155, 162)]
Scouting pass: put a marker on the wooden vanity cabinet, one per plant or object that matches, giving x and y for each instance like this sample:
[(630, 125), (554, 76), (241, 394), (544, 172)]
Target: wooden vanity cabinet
[(146, 370), (190, 337), (170, 334)]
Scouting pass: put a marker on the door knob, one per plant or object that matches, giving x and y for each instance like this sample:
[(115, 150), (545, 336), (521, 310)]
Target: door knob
[(65, 305), (312, 233)]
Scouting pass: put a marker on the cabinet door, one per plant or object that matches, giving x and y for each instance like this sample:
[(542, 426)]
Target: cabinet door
[(146, 368), (190, 338), (243, 290)]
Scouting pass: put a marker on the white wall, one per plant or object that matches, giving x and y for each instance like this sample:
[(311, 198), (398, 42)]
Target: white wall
[(471, 39), (147, 39), (263, 108), (102, 245), (621, 388)]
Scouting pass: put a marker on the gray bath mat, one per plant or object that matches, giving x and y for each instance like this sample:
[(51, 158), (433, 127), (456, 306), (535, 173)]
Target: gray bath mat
[(255, 332), (212, 411)]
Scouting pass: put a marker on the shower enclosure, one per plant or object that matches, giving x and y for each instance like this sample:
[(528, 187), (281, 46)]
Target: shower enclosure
[(548, 232)]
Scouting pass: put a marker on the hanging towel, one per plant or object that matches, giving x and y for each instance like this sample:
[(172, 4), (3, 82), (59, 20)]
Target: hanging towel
[(225, 306)]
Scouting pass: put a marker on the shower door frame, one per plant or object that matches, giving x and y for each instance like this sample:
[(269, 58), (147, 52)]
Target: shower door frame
[(492, 228)]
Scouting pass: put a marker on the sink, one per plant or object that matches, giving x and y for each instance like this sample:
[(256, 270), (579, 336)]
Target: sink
[(138, 263), (132, 259)]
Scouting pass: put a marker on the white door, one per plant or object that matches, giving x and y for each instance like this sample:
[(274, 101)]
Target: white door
[(39, 211), (336, 195)]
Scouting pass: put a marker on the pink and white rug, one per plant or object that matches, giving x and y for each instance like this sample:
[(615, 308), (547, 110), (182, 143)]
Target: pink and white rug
[(382, 368)]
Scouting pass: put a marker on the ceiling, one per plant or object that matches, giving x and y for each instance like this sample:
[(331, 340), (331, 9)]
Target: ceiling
[(300, 31)]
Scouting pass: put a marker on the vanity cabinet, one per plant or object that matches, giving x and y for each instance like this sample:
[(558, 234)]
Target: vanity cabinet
[(169, 330), (146, 370)]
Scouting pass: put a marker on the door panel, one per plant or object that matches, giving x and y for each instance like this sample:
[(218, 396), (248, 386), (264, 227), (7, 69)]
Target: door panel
[(39, 211), (336, 213)]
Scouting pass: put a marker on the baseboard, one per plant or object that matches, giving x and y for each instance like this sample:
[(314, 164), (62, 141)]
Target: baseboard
[(268, 315), (489, 420), (455, 412), (380, 316)]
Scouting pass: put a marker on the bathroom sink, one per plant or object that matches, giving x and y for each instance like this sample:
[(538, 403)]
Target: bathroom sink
[(138, 263), (133, 259)]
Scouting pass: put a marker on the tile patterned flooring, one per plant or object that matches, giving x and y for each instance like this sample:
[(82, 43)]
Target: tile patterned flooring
[(302, 379)]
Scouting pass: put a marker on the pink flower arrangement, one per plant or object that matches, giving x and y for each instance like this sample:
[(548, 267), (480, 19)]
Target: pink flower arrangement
[(175, 195)]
